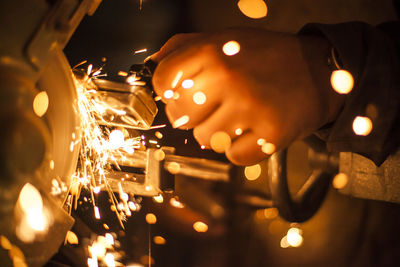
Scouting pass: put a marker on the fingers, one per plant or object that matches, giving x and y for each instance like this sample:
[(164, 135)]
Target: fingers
[(176, 68), (245, 150), (174, 43)]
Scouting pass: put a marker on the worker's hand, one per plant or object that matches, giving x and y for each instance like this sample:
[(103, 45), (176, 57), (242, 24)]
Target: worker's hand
[(275, 89)]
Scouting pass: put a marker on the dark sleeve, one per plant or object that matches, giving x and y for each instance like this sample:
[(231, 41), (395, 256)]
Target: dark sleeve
[(371, 54)]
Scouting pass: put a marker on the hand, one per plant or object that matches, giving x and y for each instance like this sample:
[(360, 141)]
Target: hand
[(275, 89)]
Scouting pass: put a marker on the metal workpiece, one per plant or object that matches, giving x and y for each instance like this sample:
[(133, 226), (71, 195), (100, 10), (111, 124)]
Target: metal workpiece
[(155, 175), (127, 106), (366, 180)]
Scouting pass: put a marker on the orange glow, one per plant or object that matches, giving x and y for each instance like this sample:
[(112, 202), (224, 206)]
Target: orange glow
[(158, 134), (199, 98), (271, 213), (340, 181), (231, 48), (252, 172), (200, 227), (187, 84), (159, 240), (72, 238), (342, 81), (151, 218), (41, 103), (362, 126), (176, 203), (220, 142), (254, 9)]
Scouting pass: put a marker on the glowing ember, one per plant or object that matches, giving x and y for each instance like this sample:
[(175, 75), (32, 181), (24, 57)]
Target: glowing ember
[(187, 84), (158, 199), (231, 48), (254, 9), (72, 238), (252, 172), (200, 227), (140, 51), (220, 142), (168, 94), (123, 74), (41, 103), (362, 126), (181, 121), (342, 81), (340, 181), (176, 203), (199, 98)]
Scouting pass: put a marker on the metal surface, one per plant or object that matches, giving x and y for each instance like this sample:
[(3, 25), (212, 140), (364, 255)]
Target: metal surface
[(135, 104), (308, 199), (154, 170), (366, 180)]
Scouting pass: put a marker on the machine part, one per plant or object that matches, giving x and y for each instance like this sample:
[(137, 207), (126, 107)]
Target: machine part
[(156, 179), (308, 199), (366, 180), (127, 106)]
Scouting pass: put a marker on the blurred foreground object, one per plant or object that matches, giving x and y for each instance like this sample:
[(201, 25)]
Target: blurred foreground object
[(38, 125)]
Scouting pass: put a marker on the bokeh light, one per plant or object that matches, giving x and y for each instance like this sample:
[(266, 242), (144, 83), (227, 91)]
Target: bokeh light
[(340, 181), (294, 237), (342, 81), (151, 218), (220, 141), (199, 98), (187, 84), (238, 131), (159, 240), (362, 126), (268, 148), (168, 94), (255, 9), (252, 172), (41, 103), (231, 48), (200, 227)]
